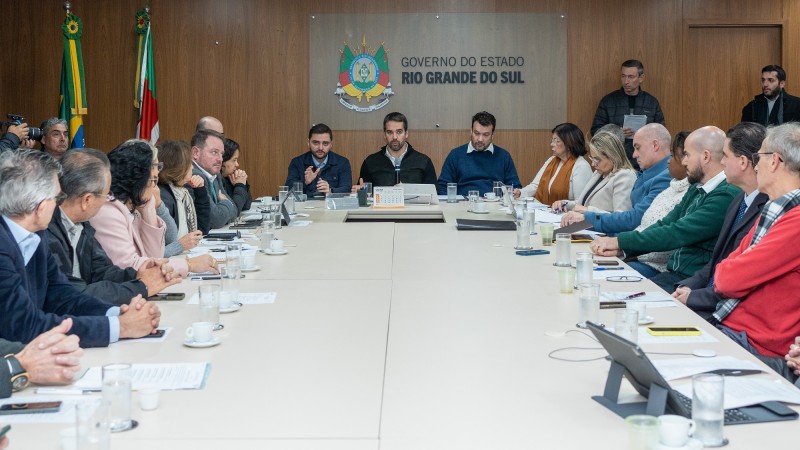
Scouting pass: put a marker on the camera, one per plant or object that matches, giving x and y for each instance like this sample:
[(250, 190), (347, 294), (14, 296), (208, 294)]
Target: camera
[(34, 133)]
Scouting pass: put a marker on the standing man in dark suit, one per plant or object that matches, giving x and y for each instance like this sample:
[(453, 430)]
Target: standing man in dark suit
[(773, 106), (743, 140), (35, 296)]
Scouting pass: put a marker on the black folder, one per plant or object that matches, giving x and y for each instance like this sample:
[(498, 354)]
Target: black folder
[(485, 225)]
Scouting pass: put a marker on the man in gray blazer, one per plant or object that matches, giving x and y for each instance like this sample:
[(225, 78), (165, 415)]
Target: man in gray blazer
[(743, 140), (207, 149)]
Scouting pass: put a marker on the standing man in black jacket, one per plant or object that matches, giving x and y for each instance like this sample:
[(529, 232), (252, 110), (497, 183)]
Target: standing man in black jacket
[(396, 162), (773, 106), (86, 179), (628, 100)]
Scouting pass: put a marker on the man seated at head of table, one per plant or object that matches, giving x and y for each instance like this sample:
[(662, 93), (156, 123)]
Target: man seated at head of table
[(207, 149), (396, 162), (744, 140), (609, 188), (652, 151), (759, 279), (86, 182), (564, 174), (692, 227), (51, 358), (475, 165), (320, 169), (128, 226), (35, 296)]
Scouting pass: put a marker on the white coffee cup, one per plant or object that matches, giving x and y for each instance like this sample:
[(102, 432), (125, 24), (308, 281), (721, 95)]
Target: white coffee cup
[(675, 430), (639, 307), (276, 245), (490, 196), (200, 332), (248, 259), (148, 398), (225, 299), (481, 207)]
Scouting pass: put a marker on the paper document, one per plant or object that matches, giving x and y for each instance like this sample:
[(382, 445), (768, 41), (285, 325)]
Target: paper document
[(745, 391), (634, 122), (672, 369), (300, 223), (246, 298), (547, 217), (652, 298), (163, 376)]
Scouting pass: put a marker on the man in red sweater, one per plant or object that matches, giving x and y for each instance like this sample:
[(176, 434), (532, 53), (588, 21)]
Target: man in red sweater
[(760, 279)]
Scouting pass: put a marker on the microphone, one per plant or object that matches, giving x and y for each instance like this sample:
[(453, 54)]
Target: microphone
[(397, 174)]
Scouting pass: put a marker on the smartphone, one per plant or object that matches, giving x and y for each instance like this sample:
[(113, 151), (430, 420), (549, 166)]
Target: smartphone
[(159, 333), (532, 252), (168, 296), (673, 331), (606, 262), (29, 408), (4, 431)]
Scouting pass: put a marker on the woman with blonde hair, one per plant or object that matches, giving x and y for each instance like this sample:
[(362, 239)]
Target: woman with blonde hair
[(609, 188)]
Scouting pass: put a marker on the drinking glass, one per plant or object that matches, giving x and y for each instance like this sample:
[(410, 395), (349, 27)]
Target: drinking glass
[(589, 304), (473, 197), (117, 392), (563, 250), (209, 304), (523, 235), (93, 430), (626, 324), (584, 263), (708, 393), (452, 193)]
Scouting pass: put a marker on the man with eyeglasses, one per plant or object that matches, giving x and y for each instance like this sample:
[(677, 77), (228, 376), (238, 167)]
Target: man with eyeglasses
[(35, 295), (207, 149), (759, 279), (478, 163), (692, 228), (628, 100), (741, 145), (86, 181)]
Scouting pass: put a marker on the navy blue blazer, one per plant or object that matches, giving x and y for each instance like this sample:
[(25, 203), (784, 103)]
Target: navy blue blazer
[(37, 297), (336, 172)]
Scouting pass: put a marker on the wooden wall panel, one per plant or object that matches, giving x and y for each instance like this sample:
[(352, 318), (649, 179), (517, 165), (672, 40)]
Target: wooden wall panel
[(724, 52), (256, 78)]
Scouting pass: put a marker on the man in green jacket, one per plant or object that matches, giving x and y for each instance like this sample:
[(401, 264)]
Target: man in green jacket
[(692, 228)]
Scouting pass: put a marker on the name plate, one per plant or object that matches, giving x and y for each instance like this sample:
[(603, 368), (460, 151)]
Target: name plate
[(388, 197), (341, 201)]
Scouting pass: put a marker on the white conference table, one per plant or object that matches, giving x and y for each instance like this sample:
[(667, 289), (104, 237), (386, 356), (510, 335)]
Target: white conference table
[(395, 336)]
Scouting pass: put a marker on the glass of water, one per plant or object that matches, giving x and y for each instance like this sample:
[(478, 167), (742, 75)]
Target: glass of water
[(708, 393), (523, 235), (589, 304), (497, 188), (209, 304), (452, 193), (92, 424), (117, 392), (563, 250), (473, 197), (626, 324), (584, 264)]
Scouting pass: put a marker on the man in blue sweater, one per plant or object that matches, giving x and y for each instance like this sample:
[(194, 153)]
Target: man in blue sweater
[(478, 163), (651, 146)]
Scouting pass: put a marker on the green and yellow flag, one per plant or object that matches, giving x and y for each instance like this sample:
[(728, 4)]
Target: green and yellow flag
[(73, 90)]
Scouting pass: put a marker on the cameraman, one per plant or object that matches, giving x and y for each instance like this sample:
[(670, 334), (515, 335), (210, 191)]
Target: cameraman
[(16, 136)]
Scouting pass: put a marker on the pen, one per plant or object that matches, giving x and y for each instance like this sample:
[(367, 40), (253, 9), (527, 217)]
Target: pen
[(563, 206), (612, 305), (206, 277), (63, 391), (638, 294), (609, 268)]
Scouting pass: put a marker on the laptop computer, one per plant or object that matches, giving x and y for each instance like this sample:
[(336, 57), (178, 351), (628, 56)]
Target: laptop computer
[(628, 360)]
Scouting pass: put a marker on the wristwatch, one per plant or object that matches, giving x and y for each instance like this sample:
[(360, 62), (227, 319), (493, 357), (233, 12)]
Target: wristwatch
[(19, 376)]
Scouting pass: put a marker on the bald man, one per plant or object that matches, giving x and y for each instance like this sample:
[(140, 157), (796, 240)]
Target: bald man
[(209, 123), (692, 228)]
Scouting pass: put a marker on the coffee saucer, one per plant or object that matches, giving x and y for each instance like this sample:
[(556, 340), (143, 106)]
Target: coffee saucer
[(480, 212), (191, 343), (251, 269), (691, 444), (646, 320), (272, 253), (233, 308), (496, 199)]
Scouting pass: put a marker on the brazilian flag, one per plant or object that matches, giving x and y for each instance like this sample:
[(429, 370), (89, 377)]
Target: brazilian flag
[(73, 90)]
